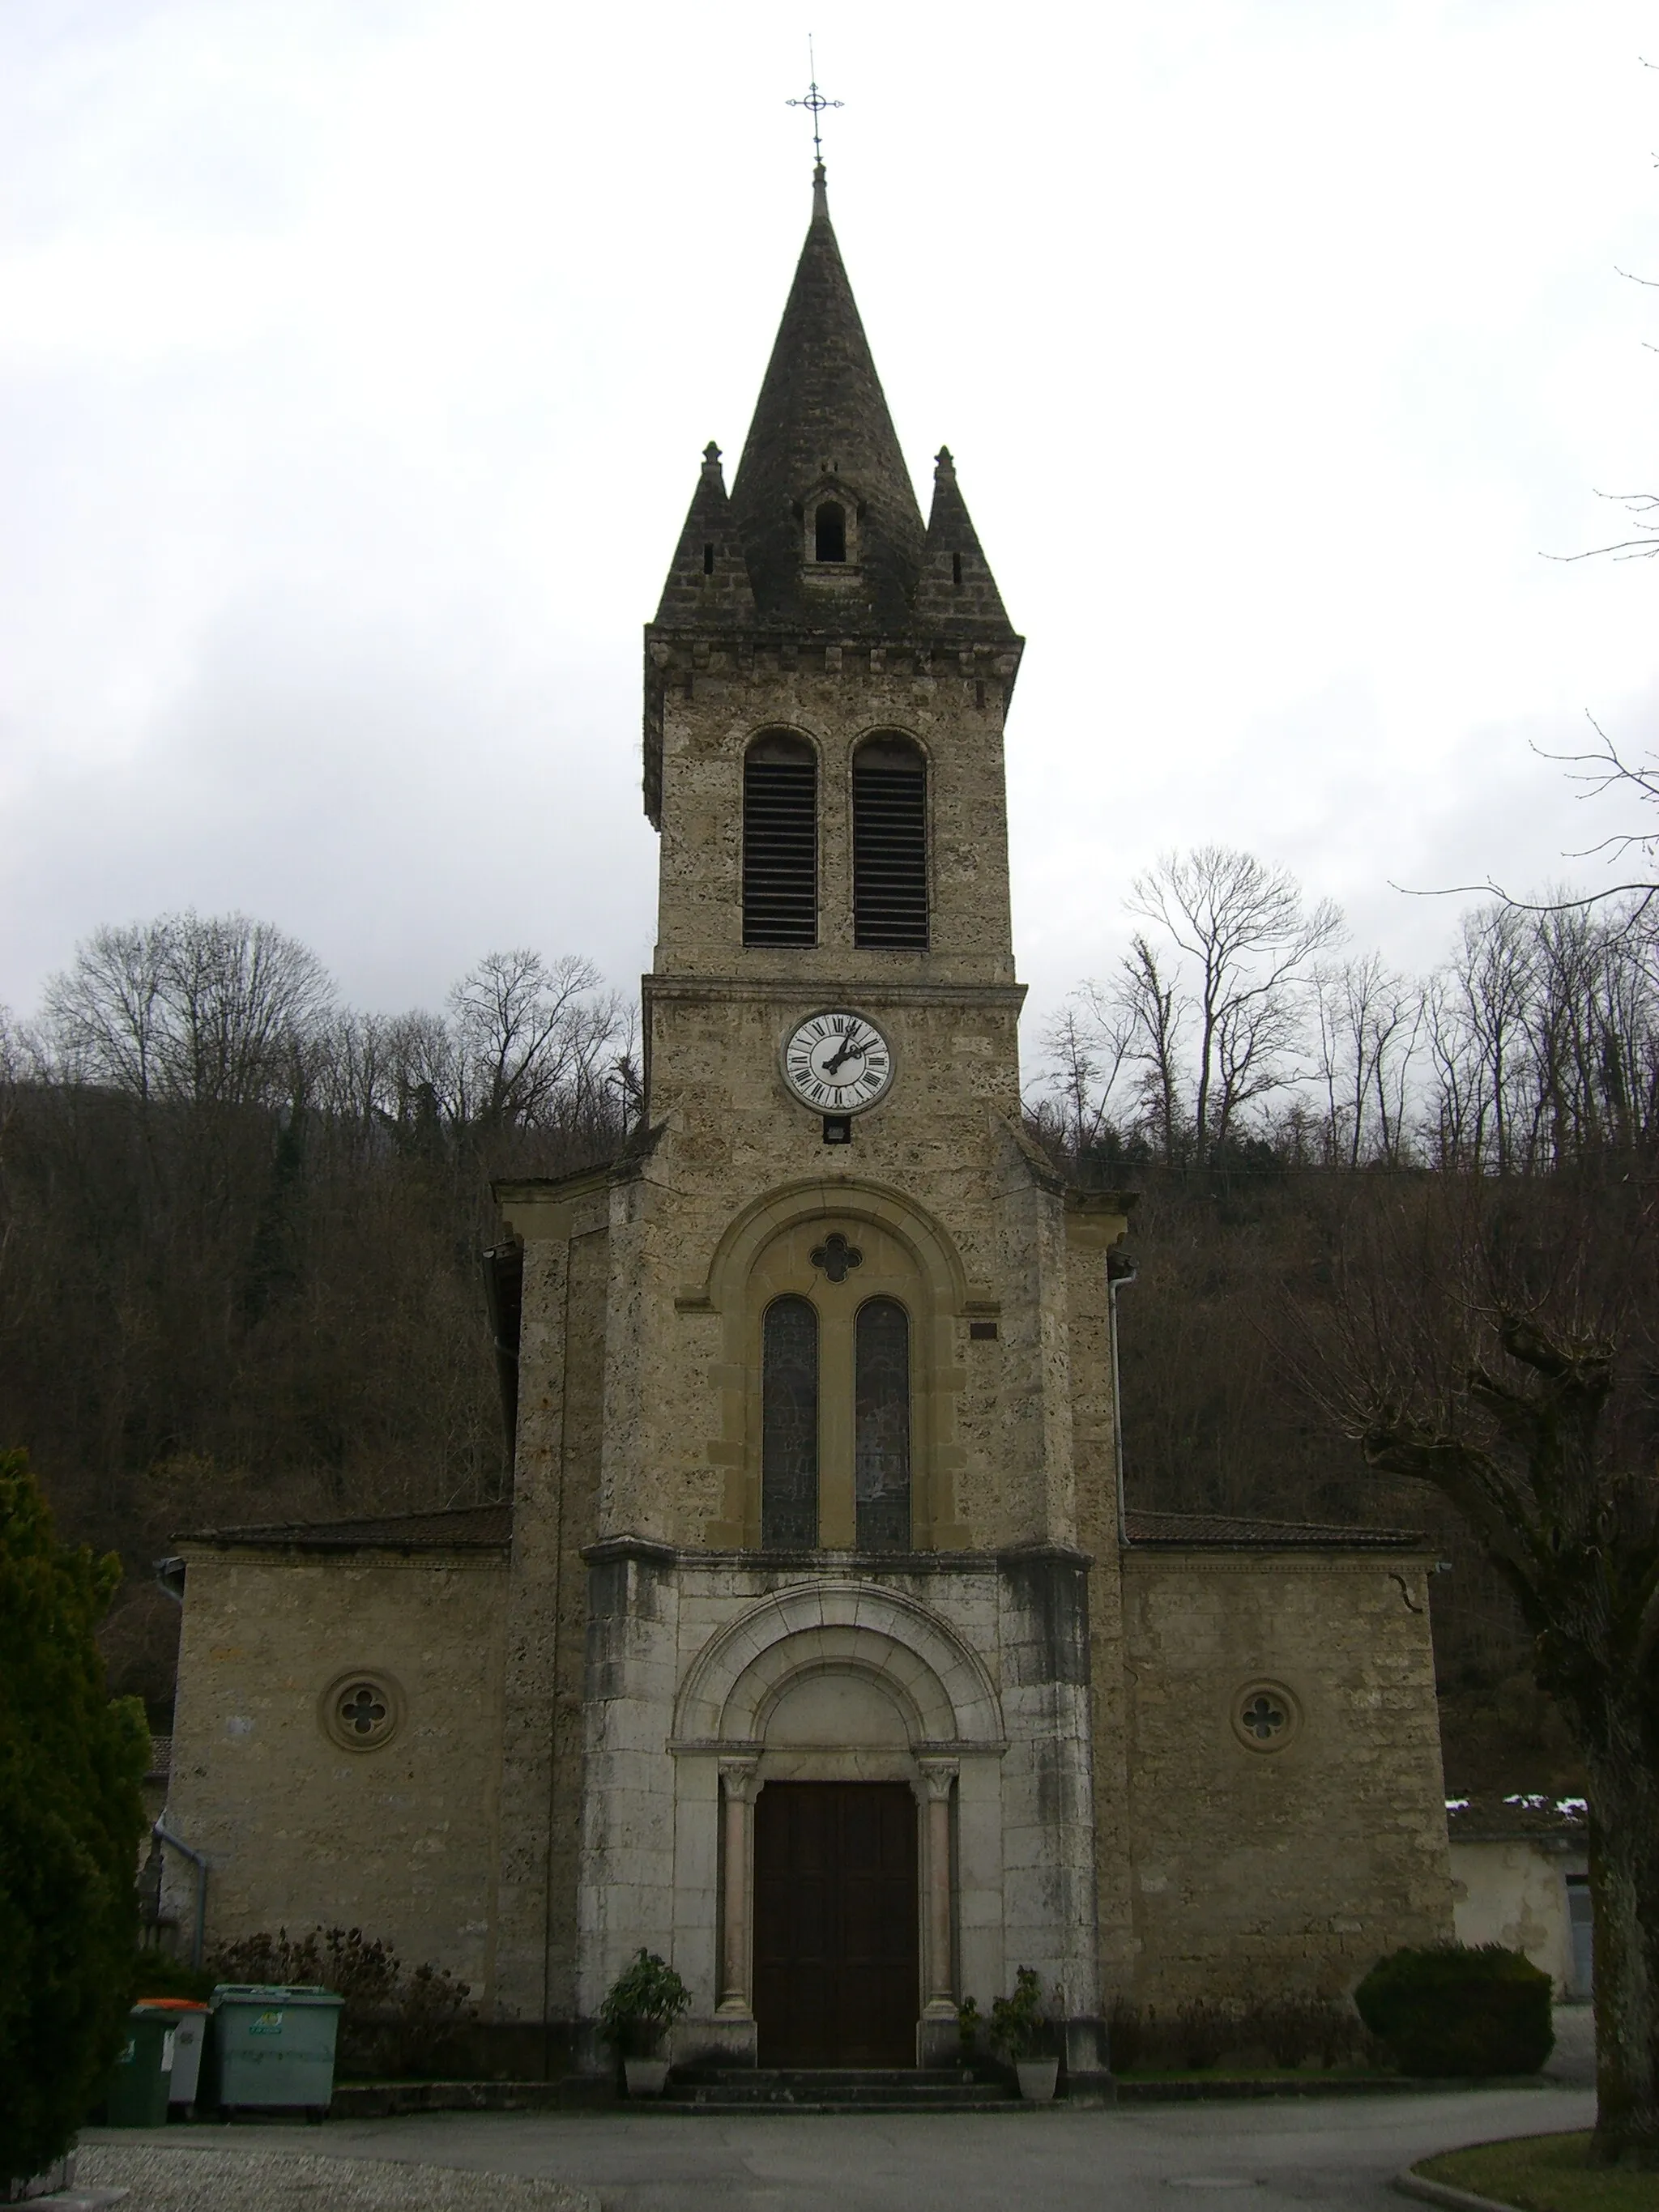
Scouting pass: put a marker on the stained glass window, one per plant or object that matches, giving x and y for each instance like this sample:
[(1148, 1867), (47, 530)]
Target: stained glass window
[(881, 1464), (789, 1425)]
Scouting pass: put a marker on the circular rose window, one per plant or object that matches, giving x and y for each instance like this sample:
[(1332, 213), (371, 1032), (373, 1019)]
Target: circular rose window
[(362, 1710), (1265, 1717)]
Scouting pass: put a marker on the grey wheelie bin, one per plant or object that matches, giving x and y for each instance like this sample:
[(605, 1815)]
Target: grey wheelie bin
[(274, 2048)]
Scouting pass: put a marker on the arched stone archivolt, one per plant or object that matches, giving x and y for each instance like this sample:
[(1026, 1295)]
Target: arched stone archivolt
[(767, 1252), (748, 1675), (934, 1252), (934, 1678)]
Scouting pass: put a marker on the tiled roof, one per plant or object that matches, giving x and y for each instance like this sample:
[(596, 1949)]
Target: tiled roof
[(462, 1529), (1234, 1533)]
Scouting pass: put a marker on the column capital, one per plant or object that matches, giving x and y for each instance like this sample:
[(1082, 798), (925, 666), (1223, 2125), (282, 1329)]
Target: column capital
[(937, 1775), (738, 1778)]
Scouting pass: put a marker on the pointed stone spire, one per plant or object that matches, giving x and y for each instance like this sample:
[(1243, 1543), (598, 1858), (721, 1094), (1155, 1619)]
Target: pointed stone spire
[(956, 590), (821, 421), (707, 579)]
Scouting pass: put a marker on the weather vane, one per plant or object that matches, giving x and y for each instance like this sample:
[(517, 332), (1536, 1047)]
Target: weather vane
[(814, 102)]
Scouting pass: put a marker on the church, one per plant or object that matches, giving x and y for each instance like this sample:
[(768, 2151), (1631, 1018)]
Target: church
[(815, 1647)]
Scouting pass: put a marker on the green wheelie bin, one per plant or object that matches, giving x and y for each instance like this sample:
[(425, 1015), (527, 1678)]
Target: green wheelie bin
[(274, 2047), (135, 2094)]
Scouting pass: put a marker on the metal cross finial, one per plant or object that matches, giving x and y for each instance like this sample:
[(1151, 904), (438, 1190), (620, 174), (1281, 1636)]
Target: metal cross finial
[(815, 103)]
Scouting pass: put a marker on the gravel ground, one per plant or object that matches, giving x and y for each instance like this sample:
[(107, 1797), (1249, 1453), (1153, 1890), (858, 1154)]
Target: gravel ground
[(171, 2178)]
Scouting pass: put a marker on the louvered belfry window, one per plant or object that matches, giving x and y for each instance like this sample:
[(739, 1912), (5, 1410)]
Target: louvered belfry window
[(780, 841), (789, 1425), (890, 844), (881, 1452)]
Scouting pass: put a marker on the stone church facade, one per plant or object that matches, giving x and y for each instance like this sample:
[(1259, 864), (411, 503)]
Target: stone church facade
[(815, 1648)]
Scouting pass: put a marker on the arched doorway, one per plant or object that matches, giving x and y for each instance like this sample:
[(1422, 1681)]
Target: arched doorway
[(836, 1965), (842, 1718)]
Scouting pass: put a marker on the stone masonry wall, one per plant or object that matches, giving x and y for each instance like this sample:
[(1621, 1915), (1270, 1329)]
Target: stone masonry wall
[(1297, 1861), (399, 1840)]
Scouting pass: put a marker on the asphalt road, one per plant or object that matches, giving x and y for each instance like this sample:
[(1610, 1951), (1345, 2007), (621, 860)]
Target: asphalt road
[(1138, 2157)]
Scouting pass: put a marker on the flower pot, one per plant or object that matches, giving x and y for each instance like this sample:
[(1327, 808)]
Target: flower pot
[(1037, 2077), (645, 2077)]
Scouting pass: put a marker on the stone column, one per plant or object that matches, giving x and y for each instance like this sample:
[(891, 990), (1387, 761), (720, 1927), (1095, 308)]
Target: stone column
[(737, 1817), (937, 2040)]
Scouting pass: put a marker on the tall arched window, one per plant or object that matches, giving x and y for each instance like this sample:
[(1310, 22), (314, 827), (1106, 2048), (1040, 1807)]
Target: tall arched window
[(881, 1449), (890, 843), (780, 841), (789, 1425)]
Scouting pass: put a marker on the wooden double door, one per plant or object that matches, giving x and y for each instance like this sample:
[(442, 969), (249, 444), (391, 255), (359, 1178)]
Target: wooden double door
[(836, 1977)]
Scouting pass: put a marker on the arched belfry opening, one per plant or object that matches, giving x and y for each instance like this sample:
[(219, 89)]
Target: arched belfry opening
[(780, 840), (890, 843), (829, 531)]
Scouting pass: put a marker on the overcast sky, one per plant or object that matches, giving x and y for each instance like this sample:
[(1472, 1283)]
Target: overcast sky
[(357, 355)]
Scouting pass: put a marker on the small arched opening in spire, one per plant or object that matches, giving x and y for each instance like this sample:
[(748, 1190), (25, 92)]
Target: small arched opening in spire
[(829, 531), (780, 840), (890, 843)]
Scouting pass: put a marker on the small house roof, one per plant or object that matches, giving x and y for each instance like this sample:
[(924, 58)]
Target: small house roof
[(457, 1528), (1243, 1533)]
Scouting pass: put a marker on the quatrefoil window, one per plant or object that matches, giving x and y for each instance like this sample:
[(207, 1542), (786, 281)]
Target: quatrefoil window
[(1265, 1717), (836, 1256), (1262, 1717), (362, 1710)]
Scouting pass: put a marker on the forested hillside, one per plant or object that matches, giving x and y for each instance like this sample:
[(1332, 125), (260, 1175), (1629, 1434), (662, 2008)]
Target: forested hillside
[(240, 1224), (240, 1231)]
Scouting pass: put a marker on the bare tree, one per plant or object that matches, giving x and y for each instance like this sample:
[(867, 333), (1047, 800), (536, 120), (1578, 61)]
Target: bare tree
[(1544, 1038), (534, 1040), (1085, 1047), (1368, 1021), (199, 1009), (1251, 941), (105, 1011), (1155, 1012), (1495, 1351)]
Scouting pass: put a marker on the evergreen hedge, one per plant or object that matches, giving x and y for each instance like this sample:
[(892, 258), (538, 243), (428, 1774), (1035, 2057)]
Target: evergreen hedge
[(1454, 2009), (71, 1817)]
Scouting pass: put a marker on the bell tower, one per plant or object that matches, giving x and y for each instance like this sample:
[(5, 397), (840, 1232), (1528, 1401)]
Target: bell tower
[(815, 1379), (826, 682)]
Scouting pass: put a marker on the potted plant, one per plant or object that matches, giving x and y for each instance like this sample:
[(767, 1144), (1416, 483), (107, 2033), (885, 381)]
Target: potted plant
[(1019, 2031), (640, 2007), (969, 2022)]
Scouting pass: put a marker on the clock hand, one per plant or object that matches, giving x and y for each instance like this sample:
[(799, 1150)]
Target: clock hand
[(848, 1051)]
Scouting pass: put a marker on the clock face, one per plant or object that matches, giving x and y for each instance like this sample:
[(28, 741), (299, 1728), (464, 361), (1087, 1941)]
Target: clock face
[(838, 1062)]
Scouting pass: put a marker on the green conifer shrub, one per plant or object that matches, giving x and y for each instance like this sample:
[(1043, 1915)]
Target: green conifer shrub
[(1454, 2009), (71, 1817)]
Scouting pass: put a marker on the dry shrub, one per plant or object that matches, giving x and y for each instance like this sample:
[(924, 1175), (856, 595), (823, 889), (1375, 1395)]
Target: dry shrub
[(1127, 2038), (394, 2019), (1204, 2028), (1288, 2031)]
